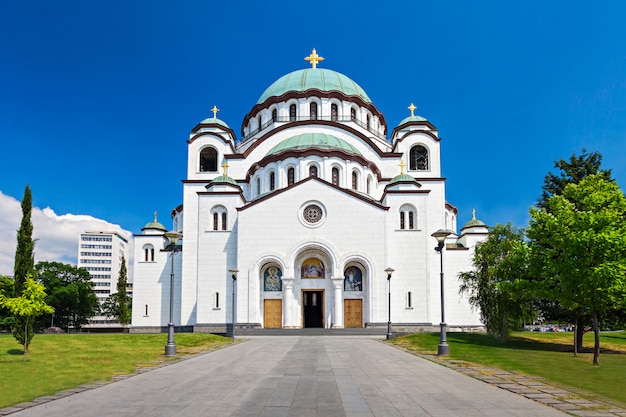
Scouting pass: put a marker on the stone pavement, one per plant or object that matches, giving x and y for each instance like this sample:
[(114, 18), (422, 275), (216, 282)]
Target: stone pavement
[(294, 376)]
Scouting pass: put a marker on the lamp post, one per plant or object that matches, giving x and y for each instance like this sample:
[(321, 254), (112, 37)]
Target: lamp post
[(233, 275), (442, 349), (389, 271), (172, 236)]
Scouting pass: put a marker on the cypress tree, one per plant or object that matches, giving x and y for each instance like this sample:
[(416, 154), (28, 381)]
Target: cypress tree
[(123, 316), (24, 263)]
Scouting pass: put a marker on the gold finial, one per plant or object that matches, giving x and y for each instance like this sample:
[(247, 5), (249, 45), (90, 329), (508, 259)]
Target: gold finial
[(215, 110), (155, 216), (473, 214), (225, 167), (402, 165), (412, 108), (314, 58)]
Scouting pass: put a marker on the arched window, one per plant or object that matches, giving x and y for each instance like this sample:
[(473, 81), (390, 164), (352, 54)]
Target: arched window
[(353, 113), (272, 279), (274, 115), (334, 113), (313, 110), (313, 171), (258, 186), (220, 213), (292, 112), (353, 279), (272, 180), (408, 217), (368, 121), (148, 253), (291, 176), (215, 220), (418, 158), (208, 160), (335, 178), (224, 220), (259, 122), (355, 180), (369, 185)]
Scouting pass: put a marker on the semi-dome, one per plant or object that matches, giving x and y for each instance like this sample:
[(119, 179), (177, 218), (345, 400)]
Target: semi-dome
[(314, 78), (314, 140)]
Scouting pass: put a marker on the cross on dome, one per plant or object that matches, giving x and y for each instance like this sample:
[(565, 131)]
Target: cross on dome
[(314, 58), (412, 108), (155, 216), (402, 165), (225, 167), (473, 214), (215, 110)]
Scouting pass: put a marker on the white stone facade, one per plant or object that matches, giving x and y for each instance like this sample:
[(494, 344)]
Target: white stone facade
[(313, 185)]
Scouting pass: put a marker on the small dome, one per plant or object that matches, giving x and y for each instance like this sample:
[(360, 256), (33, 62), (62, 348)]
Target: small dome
[(402, 178), (474, 223), (224, 179), (412, 119), (214, 120), (154, 225), (314, 140), (314, 78)]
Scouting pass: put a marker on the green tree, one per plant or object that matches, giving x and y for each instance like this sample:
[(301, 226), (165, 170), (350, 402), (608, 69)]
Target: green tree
[(123, 300), (70, 292), (500, 268), (30, 304), (6, 289), (111, 307), (578, 246), (24, 264)]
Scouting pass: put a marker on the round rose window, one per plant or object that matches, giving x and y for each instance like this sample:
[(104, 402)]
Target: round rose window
[(312, 213)]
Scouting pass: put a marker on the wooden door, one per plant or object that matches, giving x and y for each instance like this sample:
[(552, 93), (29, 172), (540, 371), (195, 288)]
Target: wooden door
[(273, 314), (353, 313)]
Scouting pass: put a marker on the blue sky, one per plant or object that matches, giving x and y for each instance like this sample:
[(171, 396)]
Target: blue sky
[(97, 98)]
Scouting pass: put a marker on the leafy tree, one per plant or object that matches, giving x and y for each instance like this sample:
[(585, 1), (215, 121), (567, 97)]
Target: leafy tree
[(123, 300), (111, 307), (70, 292), (500, 265), (28, 305), (24, 264), (6, 289), (579, 248)]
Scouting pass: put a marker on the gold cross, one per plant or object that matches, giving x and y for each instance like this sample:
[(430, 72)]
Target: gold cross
[(401, 165), (412, 108), (314, 58), (473, 214), (225, 167), (215, 110), (155, 216)]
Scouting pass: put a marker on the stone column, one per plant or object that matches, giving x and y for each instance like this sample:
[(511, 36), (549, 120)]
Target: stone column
[(288, 319), (338, 302)]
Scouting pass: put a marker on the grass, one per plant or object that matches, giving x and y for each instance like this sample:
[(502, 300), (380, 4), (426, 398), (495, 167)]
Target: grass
[(62, 361), (547, 355)]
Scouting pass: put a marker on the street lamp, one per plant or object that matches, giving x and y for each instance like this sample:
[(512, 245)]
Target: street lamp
[(173, 237), (233, 275), (389, 271), (442, 349)]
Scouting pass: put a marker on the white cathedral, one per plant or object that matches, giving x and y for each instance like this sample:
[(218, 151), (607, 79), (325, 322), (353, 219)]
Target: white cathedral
[(309, 209)]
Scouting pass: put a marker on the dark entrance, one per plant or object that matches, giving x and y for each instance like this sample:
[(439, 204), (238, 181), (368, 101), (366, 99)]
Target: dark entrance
[(313, 308)]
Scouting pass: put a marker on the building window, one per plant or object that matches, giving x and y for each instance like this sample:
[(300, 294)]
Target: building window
[(291, 176), (272, 181), (274, 115), (215, 219), (402, 220), (224, 220), (208, 160), (334, 113), (217, 300), (409, 300), (368, 121), (353, 113), (313, 111), (418, 158), (148, 253), (258, 186), (335, 178), (408, 217), (313, 171), (259, 122), (355, 180), (220, 213), (146, 311), (292, 112), (411, 224), (369, 185)]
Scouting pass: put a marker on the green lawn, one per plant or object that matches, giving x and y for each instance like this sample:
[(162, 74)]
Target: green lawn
[(62, 361), (548, 355)]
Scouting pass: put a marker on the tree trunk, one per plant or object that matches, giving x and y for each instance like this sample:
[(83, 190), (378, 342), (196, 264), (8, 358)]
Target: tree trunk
[(578, 334), (25, 339), (596, 334)]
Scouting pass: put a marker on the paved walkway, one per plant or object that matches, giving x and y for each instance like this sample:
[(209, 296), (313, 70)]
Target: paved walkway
[(297, 376)]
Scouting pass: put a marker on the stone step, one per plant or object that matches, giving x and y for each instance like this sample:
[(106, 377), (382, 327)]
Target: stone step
[(312, 332)]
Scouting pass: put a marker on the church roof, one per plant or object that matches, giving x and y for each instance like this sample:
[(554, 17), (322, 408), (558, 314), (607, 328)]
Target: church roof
[(155, 225), (314, 78), (224, 179), (313, 140), (412, 119), (402, 178), (214, 120), (474, 222)]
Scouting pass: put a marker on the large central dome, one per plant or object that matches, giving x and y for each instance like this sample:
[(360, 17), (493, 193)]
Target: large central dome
[(314, 78)]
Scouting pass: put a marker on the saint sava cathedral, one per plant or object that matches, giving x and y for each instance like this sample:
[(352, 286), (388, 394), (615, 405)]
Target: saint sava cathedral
[(314, 216)]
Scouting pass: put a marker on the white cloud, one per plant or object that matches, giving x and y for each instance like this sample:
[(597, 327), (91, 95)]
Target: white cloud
[(57, 235)]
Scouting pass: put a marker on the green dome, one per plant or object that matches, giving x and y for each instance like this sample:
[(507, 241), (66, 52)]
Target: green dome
[(402, 178), (474, 223), (224, 179), (314, 78), (214, 120), (412, 119), (155, 225), (313, 140)]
